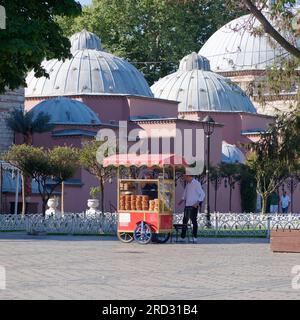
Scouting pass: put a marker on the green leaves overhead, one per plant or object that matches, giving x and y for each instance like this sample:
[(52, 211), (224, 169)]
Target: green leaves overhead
[(31, 35), (152, 34)]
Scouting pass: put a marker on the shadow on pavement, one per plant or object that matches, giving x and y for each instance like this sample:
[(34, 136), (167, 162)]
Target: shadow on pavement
[(19, 236)]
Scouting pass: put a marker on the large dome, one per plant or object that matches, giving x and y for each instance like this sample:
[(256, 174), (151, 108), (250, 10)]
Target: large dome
[(235, 48), (199, 89), (89, 71), (66, 111)]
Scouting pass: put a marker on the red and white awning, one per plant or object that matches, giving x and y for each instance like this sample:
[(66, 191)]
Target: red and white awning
[(148, 160)]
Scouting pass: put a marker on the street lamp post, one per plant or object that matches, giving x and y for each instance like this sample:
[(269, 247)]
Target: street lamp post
[(208, 126)]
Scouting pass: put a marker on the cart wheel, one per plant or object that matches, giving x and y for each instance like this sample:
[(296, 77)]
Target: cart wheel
[(142, 233), (161, 237), (125, 237)]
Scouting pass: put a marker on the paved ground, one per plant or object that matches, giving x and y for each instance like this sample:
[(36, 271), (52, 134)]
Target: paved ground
[(63, 267)]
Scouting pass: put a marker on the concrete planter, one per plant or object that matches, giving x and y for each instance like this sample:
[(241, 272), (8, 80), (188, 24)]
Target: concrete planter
[(92, 204), (52, 210)]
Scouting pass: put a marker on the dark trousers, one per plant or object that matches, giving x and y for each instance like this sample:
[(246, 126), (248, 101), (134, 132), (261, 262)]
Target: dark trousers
[(285, 210), (190, 213)]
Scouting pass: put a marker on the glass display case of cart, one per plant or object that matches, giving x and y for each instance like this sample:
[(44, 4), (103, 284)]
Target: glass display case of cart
[(155, 194)]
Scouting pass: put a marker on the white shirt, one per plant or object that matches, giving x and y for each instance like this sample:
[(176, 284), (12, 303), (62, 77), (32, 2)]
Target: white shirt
[(285, 201), (193, 193)]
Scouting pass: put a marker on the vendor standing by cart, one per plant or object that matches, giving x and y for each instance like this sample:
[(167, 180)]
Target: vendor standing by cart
[(149, 189), (193, 196)]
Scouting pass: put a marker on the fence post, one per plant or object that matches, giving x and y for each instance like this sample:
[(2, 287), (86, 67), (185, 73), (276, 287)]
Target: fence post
[(27, 225), (268, 227), (216, 224)]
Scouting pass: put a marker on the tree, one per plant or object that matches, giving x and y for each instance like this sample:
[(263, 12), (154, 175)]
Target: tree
[(88, 160), (282, 26), (48, 168), (231, 173), (215, 179), (27, 125), (65, 161), (18, 156), (248, 188), (152, 34), (276, 155), (283, 12), (269, 173), (31, 35)]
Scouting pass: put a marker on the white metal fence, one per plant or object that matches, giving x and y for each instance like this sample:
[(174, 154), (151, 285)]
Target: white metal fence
[(222, 224)]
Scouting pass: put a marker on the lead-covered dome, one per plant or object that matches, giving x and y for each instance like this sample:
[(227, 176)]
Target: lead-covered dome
[(231, 154), (89, 71), (66, 111), (85, 40), (199, 89), (234, 47)]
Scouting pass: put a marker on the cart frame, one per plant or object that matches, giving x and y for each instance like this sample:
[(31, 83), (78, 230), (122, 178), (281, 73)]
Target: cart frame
[(145, 226)]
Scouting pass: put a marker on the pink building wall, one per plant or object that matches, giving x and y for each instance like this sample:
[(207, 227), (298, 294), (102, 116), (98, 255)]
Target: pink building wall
[(121, 107), (141, 106), (234, 123)]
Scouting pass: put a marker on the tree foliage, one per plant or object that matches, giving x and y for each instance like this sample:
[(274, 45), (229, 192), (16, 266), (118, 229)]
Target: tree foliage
[(49, 168), (31, 35), (231, 173), (248, 188), (26, 124), (152, 34), (276, 155), (88, 160), (65, 161), (283, 29)]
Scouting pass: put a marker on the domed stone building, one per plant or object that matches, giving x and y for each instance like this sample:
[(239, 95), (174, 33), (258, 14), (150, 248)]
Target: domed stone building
[(90, 71), (113, 90), (106, 83), (64, 111), (202, 92), (236, 53), (74, 123), (197, 88), (95, 89)]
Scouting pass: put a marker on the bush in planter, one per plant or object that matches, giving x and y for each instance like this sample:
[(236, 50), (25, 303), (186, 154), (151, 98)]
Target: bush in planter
[(94, 191)]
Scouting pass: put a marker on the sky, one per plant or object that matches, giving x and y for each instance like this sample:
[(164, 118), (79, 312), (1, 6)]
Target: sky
[(85, 2)]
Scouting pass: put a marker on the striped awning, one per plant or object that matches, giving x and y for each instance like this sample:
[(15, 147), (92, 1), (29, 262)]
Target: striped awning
[(147, 160)]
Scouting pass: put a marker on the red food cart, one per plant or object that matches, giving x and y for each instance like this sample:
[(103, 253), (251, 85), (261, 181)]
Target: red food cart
[(145, 206)]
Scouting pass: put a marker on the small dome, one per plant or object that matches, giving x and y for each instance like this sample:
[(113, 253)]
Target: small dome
[(85, 40), (231, 154), (194, 61), (88, 71), (234, 47), (66, 111), (198, 89)]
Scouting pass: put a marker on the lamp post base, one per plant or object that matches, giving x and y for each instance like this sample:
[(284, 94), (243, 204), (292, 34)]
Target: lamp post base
[(208, 222)]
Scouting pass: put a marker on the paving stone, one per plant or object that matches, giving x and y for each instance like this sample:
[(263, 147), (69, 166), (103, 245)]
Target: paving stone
[(66, 267)]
